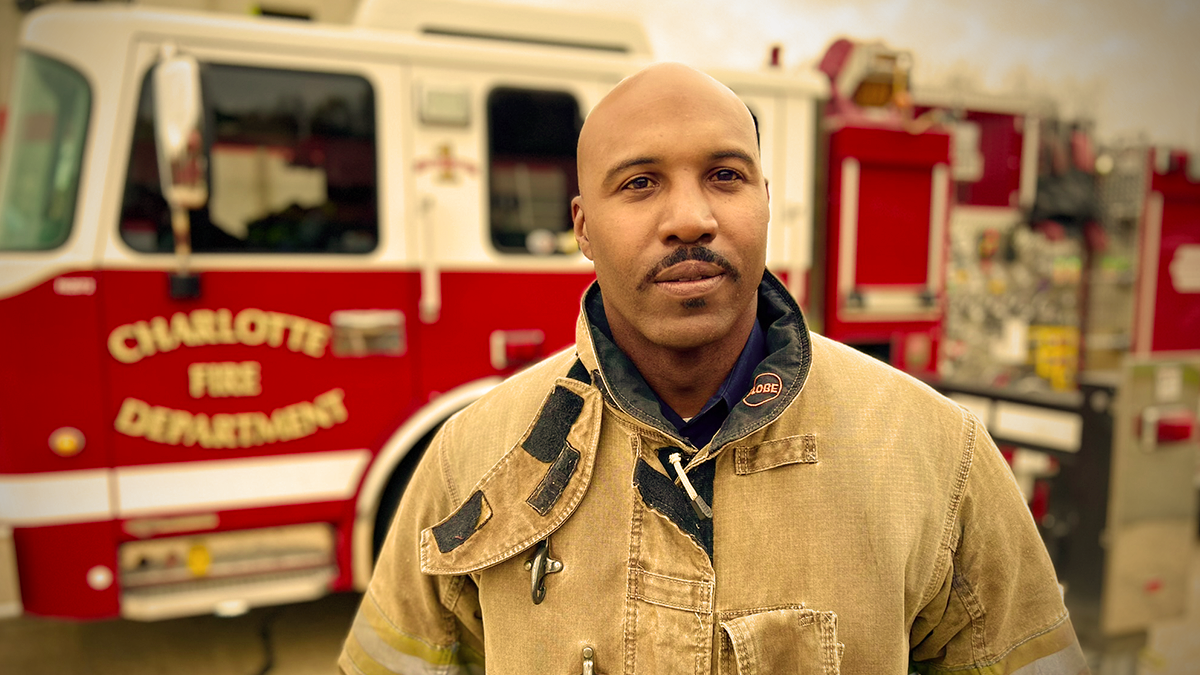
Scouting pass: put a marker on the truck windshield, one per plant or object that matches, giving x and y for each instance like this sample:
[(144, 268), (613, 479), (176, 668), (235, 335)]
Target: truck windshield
[(42, 152)]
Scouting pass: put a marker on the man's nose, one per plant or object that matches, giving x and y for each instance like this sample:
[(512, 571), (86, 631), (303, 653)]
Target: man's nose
[(688, 217)]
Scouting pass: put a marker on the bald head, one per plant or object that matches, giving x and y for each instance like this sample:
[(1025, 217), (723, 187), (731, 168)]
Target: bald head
[(664, 93), (673, 210)]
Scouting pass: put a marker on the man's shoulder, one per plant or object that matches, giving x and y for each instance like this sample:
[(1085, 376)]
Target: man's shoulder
[(872, 424), (867, 404), (852, 373), (477, 436)]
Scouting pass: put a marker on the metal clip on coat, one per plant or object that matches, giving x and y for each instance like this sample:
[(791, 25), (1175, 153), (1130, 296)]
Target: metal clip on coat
[(698, 504), (589, 667), (539, 566)]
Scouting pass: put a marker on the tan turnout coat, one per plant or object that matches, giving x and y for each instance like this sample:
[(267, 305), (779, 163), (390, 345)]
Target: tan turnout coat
[(861, 523)]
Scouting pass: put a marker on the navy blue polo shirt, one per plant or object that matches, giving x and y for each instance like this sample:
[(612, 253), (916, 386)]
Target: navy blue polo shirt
[(700, 429)]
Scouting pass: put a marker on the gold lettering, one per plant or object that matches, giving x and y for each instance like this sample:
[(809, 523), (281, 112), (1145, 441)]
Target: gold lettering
[(118, 345), (181, 328), (250, 377), (196, 379), (262, 431), (156, 424), (164, 425), (318, 337), (287, 427), (130, 343), (244, 430), (131, 420), (298, 326), (276, 324), (306, 415), (202, 431), (333, 402), (204, 326), (179, 428), (223, 427), (225, 379), (145, 339), (225, 327), (163, 337), (250, 327)]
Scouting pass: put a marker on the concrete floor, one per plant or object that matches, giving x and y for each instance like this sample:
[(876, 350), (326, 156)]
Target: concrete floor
[(1173, 647), (306, 638)]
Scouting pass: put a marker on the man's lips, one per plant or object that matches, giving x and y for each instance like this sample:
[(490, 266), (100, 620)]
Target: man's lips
[(690, 279), (690, 270)]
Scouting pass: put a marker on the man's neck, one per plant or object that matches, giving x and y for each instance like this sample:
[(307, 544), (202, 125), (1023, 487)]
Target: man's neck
[(684, 379)]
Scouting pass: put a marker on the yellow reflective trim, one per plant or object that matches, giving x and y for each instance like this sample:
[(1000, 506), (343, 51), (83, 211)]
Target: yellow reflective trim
[(1057, 644), (362, 662), (401, 641)]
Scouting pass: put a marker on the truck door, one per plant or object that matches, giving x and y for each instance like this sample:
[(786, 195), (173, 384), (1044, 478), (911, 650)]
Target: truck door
[(270, 381), (494, 174), (53, 460)]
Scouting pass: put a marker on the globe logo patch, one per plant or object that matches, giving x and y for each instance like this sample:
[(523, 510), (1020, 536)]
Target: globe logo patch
[(766, 387)]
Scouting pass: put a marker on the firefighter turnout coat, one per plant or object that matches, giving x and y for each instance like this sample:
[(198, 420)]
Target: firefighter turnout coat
[(861, 523)]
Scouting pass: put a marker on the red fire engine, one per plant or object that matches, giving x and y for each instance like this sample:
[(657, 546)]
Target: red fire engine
[(248, 266)]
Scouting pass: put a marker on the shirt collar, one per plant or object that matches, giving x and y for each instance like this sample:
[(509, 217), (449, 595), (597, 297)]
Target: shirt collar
[(704, 425), (777, 378)]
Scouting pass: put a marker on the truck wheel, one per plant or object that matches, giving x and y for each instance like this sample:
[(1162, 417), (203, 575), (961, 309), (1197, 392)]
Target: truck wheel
[(389, 501)]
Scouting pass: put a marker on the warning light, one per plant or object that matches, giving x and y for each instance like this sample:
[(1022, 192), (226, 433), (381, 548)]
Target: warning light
[(199, 560), (1175, 428), (1163, 426), (66, 441)]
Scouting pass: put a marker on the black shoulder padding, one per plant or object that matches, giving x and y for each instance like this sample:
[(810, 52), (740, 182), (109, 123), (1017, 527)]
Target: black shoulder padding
[(660, 493), (579, 372), (549, 433), (459, 527), (546, 494)]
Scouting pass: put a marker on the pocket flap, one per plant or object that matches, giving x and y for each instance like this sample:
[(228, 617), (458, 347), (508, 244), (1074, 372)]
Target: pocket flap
[(800, 449), (779, 641), (529, 493)]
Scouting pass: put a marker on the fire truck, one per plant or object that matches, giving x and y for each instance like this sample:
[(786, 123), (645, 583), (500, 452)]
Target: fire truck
[(248, 266), (1073, 332)]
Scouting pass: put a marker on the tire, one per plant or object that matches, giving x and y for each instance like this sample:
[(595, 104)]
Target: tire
[(389, 501)]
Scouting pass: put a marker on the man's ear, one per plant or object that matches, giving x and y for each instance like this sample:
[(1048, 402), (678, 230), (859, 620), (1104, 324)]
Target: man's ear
[(580, 223)]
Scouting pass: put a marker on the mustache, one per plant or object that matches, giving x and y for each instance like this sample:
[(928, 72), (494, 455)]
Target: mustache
[(684, 253)]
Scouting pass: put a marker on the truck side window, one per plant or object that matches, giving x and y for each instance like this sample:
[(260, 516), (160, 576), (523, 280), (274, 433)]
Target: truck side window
[(531, 138), (291, 163), (43, 158)]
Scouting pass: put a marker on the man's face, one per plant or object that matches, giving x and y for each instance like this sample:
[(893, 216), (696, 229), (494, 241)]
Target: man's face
[(673, 208)]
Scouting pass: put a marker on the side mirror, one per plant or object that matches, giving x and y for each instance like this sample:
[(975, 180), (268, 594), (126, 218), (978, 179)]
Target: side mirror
[(182, 164), (179, 130)]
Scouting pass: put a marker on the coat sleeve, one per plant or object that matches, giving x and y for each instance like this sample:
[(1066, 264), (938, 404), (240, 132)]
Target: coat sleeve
[(412, 623), (998, 607)]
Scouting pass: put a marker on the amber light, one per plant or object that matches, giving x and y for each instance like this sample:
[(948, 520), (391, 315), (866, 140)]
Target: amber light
[(199, 560), (66, 441)]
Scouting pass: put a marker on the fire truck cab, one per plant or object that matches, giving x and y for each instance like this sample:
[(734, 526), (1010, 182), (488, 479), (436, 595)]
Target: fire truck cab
[(212, 399)]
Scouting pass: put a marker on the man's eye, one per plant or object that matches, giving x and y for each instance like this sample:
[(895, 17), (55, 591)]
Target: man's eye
[(726, 175), (639, 183)]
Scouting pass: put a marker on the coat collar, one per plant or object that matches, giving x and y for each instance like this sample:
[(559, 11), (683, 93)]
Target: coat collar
[(778, 379)]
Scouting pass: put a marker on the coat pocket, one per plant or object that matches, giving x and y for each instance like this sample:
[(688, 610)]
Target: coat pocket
[(783, 641)]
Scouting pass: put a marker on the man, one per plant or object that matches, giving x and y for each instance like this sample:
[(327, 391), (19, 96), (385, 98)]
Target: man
[(700, 485)]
